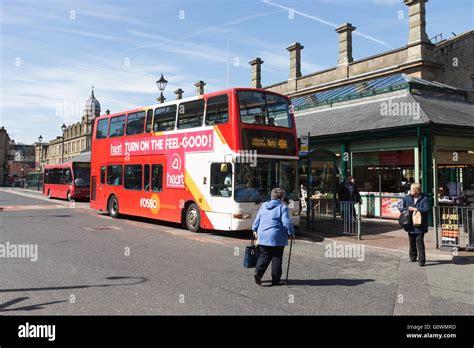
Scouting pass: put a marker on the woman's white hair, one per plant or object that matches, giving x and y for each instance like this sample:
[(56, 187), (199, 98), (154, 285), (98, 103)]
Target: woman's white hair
[(277, 193)]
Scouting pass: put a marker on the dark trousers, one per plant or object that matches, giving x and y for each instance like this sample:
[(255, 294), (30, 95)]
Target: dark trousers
[(270, 254), (417, 243)]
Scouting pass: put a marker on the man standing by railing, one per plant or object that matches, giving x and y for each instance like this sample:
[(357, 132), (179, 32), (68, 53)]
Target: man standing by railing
[(348, 192)]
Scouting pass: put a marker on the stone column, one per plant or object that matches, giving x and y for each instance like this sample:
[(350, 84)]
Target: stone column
[(295, 60), (417, 21), (179, 93), (345, 43), (256, 72), (200, 87)]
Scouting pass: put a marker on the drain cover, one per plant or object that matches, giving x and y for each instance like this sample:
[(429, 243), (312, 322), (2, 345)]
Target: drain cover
[(101, 228)]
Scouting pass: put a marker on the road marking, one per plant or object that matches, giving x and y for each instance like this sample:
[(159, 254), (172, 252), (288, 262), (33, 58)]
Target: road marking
[(30, 207)]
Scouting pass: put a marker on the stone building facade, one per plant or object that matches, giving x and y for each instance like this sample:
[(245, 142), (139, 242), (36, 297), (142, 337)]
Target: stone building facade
[(449, 61), (76, 138), (4, 153)]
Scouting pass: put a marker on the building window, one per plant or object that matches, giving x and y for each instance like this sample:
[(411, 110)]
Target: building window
[(190, 114), (217, 110), (472, 82)]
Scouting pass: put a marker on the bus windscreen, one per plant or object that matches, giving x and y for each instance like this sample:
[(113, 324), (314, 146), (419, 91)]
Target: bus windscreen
[(82, 172)]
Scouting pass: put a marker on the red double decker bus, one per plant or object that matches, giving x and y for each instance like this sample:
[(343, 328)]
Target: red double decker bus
[(207, 162), (68, 180)]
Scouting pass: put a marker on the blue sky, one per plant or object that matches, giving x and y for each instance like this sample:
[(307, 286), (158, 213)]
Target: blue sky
[(53, 51)]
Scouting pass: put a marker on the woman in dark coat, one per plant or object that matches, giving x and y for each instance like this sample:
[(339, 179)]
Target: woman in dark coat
[(416, 201)]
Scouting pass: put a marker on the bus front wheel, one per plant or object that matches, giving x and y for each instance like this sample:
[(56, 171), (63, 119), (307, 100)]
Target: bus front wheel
[(49, 194), (193, 218), (69, 196), (113, 207)]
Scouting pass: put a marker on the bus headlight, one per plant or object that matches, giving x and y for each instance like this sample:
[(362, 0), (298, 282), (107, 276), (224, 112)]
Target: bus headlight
[(242, 216)]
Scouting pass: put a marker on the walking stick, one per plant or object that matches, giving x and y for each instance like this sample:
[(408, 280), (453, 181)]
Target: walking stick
[(289, 259)]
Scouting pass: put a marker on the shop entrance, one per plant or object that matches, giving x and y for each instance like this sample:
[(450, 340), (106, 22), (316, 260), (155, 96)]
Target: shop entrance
[(319, 177)]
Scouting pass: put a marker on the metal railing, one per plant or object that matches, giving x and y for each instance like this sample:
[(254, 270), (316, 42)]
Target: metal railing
[(340, 217), (454, 226)]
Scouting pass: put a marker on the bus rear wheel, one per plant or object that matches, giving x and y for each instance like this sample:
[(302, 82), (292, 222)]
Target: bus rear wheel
[(113, 207), (193, 218)]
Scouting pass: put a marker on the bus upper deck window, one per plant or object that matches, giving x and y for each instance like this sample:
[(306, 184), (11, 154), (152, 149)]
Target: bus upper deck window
[(217, 111), (117, 125)]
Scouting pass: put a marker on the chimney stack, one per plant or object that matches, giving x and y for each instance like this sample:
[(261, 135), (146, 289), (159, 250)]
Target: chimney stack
[(179, 93), (295, 60), (345, 43), (200, 87), (256, 72), (417, 21)]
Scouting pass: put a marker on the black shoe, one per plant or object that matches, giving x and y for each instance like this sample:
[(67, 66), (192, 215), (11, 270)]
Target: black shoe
[(258, 280), (421, 264), (278, 283), (412, 260)]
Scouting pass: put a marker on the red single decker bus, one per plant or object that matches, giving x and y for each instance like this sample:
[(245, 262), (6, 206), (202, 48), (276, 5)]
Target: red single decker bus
[(207, 162), (68, 180)]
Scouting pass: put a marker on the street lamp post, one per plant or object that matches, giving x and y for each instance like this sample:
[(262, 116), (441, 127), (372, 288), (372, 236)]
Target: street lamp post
[(161, 83), (63, 128), (40, 139)]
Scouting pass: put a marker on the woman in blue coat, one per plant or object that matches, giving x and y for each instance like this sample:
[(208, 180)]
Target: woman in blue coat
[(272, 227), (416, 201)]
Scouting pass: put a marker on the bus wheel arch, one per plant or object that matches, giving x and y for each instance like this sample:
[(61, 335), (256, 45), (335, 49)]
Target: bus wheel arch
[(191, 216), (49, 194), (69, 196), (113, 206)]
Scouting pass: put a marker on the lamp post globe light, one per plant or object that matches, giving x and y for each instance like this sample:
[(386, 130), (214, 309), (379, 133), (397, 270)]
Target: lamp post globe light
[(63, 128), (161, 83)]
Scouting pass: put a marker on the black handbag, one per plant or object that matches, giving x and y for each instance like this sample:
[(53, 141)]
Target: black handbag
[(251, 255), (404, 220)]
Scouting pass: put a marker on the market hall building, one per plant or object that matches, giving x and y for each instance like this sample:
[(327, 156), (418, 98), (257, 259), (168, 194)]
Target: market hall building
[(402, 116)]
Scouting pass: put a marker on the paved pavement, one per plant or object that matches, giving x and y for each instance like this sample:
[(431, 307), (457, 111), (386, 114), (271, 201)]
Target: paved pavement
[(88, 263)]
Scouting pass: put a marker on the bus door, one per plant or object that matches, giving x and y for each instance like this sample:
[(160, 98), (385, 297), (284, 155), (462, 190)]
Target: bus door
[(98, 186), (221, 193)]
